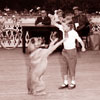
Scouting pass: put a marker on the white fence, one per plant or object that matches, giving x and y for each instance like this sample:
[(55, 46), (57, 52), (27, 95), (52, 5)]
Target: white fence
[(13, 24)]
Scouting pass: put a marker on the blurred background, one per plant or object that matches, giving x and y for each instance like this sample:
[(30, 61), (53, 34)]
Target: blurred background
[(89, 6), (13, 13)]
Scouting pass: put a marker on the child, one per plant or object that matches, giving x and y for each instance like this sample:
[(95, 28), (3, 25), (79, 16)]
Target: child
[(70, 57), (38, 63)]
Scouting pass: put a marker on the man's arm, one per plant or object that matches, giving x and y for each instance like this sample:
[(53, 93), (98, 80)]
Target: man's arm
[(38, 20), (83, 22), (47, 21)]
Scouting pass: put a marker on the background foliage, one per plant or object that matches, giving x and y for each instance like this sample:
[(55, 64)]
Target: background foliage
[(86, 5)]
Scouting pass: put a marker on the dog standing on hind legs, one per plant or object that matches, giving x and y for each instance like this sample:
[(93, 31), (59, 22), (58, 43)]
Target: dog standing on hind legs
[(38, 64)]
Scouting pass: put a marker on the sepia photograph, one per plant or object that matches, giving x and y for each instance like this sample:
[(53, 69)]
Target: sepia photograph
[(49, 49)]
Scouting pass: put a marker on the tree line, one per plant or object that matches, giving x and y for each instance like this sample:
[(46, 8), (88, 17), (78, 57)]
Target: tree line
[(66, 5)]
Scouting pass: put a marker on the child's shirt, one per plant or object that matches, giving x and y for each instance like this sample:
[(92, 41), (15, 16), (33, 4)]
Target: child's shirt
[(69, 43)]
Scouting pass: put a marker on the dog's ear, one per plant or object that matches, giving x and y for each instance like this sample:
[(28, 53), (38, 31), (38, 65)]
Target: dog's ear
[(30, 46), (28, 49)]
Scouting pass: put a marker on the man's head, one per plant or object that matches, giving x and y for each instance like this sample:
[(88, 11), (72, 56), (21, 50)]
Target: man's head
[(76, 10), (43, 13)]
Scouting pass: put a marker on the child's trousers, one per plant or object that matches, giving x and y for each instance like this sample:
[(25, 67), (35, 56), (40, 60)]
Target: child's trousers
[(69, 62)]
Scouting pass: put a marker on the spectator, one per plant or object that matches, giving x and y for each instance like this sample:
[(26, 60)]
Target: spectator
[(81, 23), (43, 19)]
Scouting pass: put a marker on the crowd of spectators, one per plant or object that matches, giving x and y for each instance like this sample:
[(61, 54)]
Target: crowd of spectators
[(10, 18), (27, 15)]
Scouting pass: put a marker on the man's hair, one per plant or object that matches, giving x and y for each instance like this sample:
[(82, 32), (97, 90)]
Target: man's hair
[(75, 8), (43, 11)]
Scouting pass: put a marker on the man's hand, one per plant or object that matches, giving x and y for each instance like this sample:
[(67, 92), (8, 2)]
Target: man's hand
[(39, 24)]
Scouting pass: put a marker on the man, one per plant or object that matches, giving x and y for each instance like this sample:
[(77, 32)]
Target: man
[(43, 19), (81, 23)]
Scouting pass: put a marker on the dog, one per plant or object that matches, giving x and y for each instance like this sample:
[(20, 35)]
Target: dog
[(38, 60)]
